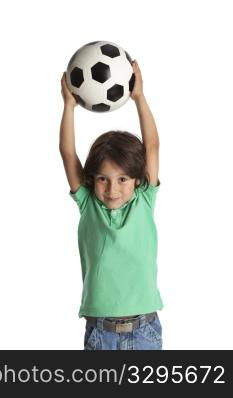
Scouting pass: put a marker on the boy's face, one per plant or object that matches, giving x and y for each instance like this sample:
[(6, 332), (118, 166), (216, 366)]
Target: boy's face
[(113, 186)]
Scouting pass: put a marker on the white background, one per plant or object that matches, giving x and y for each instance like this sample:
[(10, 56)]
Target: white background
[(184, 50)]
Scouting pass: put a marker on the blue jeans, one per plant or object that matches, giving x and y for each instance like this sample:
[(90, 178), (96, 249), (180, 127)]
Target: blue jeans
[(148, 336)]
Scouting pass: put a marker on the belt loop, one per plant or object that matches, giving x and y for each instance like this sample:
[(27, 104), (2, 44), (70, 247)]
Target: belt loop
[(99, 323), (142, 320)]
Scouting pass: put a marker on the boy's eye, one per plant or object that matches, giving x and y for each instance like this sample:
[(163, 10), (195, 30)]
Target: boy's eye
[(103, 178)]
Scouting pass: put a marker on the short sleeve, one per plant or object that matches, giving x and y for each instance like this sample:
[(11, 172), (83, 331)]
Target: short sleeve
[(149, 195), (81, 197)]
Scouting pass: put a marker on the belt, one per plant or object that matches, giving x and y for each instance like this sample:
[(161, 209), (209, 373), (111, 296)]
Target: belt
[(119, 327)]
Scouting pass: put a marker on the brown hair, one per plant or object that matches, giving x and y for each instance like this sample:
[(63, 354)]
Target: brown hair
[(121, 147)]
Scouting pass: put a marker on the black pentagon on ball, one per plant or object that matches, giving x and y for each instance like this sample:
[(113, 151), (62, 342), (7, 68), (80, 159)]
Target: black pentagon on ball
[(100, 72), (115, 93), (128, 57), (110, 50), (76, 77), (100, 107), (131, 82)]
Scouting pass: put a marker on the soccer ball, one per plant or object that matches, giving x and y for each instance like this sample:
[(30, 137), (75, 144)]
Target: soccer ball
[(100, 76)]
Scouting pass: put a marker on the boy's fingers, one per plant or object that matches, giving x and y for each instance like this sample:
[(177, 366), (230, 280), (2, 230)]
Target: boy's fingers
[(135, 66), (63, 80)]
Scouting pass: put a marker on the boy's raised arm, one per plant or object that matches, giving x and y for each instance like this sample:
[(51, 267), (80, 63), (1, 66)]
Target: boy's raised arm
[(72, 164), (148, 127), (149, 131), (67, 134)]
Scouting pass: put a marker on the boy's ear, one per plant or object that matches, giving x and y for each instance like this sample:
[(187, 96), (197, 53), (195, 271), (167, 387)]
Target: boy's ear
[(137, 182)]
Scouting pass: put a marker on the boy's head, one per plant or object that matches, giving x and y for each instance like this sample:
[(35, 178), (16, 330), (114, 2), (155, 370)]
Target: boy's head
[(112, 185), (115, 166)]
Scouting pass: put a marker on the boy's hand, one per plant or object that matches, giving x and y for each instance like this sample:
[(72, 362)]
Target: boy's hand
[(66, 93), (138, 85)]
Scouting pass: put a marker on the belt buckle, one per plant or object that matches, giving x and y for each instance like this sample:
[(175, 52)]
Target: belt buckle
[(124, 327)]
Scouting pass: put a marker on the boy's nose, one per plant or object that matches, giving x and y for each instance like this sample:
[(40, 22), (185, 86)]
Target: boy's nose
[(112, 191)]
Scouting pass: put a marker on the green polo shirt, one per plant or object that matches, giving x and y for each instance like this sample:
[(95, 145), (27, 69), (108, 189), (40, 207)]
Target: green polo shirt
[(118, 254)]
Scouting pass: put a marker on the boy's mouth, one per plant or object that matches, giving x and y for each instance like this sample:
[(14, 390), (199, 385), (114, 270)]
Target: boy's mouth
[(113, 198)]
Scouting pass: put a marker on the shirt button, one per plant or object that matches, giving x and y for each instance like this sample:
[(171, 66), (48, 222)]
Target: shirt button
[(114, 213)]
